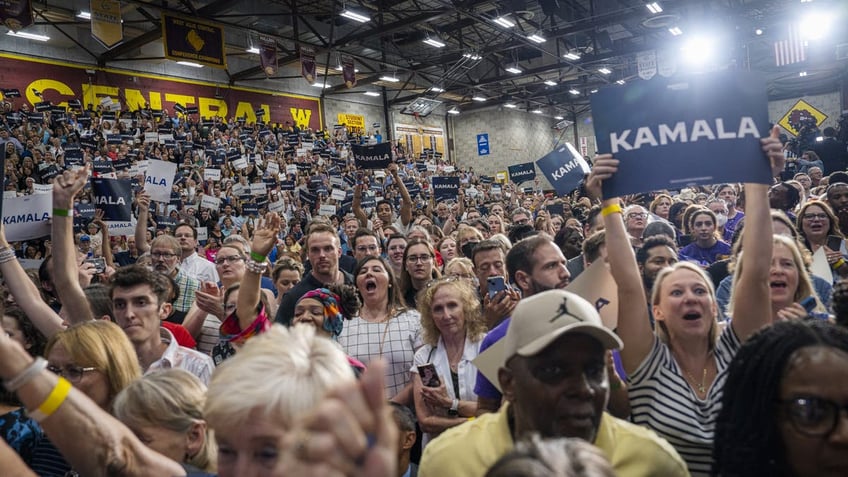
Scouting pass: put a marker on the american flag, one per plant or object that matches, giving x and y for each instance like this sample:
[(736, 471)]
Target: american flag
[(790, 50)]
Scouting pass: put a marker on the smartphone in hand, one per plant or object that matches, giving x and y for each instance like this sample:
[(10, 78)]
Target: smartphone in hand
[(429, 376), (495, 285)]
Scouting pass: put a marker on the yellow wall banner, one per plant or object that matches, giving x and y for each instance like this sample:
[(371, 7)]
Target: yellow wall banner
[(106, 24), (190, 40), (354, 122)]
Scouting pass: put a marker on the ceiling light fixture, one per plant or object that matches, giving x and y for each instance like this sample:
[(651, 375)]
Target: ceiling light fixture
[(190, 63), (536, 111), (574, 91), (434, 42), (390, 79), (604, 70), (593, 91), (472, 56), (510, 105), (758, 31), (550, 82), (676, 31), (514, 70), (320, 84), (436, 89), (504, 22), (620, 82), (84, 15), (654, 7), (253, 50), (536, 38), (802, 74), (371, 93), (571, 56), (340, 68), (559, 118), (453, 110), (28, 36), (355, 16), (479, 98)]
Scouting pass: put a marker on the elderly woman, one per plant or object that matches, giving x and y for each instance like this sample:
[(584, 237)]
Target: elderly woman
[(661, 205), (302, 414), (98, 359), (819, 228), (452, 330), (420, 267), (782, 411), (384, 328), (676, 375), (165, 411)]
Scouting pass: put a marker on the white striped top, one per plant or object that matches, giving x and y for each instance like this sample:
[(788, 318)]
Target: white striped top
[(662, 400)]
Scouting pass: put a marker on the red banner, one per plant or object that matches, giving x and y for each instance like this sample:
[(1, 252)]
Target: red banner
[(62, 82)]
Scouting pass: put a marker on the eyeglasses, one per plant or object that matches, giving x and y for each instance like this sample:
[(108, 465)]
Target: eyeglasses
[(161, 255), (231, 259), (813, 416), (637, 215), (71, 373), (419, 258), (815, 217)]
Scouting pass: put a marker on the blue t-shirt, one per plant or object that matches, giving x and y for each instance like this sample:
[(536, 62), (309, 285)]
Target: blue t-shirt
[(705, 256)]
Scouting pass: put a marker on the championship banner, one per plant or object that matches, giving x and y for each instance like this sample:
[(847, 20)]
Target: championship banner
[(190, 40), (16, 14), (106, 24), (27, 217), (445, 188), (376, 156), (114, 197), (564, 167), (669, 134), (268, 55), (348, 71), (307, 64), (522, 172), (646, 64), (159, 180)]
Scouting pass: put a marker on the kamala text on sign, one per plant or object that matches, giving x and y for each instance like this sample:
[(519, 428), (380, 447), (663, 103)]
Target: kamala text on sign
[(671, 133)]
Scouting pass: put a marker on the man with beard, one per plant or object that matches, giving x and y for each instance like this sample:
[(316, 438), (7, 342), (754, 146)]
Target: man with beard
[(535, 264), (657, 252), (837, 199), (165, 252)]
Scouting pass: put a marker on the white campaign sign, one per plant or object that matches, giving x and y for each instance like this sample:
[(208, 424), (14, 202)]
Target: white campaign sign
[(210, 174), (27, 217), (258, 188), (240, 163), (210, 202), (159, 180), (291, 169), (202, 233), (338, 194), (42, 188), (273, 168), (327, 210), (277, 206)]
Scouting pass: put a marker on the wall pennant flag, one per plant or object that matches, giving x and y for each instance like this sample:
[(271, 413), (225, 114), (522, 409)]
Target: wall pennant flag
[(348, 71), (307, 64), (564, 167), (106, 26), (445, 188), (666, 63), (16, 14), (674, 133), (187, 39), (268, 55), (791, 50), (114, 197), (159, 180), (522, 172), (27, 217), (376, 156), (646, 63)]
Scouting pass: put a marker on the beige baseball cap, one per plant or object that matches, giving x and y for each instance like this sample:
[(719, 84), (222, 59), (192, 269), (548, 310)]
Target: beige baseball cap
[(538, 321)]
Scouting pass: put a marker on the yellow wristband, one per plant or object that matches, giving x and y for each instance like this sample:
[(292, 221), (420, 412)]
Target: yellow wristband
[(838, 264), (54, 400), (472, 418), (611, 209)]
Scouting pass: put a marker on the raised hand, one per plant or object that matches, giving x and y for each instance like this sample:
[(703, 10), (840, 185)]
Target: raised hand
[(265, 234), (773, 149), (66, 186), (605, 167)]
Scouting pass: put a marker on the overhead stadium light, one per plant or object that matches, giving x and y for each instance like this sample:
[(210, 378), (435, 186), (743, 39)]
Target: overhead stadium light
[(29, 36), (604, 70), (571, 56), (434, 42), (514, 70), (536, 38), (550, 82), (504, 22), (355, 16), (654, 7), (390, 79), (676, 31), (453, 110), (372, 93), (479, 98), (253, 49), (510, 105), (574, 91), (190, 63), (84, 15)]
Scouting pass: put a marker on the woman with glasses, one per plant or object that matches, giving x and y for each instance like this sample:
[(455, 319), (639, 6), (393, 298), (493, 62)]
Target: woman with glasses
[(705, 247), (420, 267), (97, 358), (384, 328), (819, 228), (452, 326), (785, 404)]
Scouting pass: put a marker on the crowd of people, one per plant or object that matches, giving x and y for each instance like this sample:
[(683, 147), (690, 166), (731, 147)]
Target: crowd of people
[(329, 320)]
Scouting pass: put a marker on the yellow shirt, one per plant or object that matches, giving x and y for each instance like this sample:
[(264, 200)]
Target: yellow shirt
[(468, 450)]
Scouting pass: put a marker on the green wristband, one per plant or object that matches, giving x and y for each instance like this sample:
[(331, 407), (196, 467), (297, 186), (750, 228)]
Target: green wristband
[(61, 212), (257, 257)]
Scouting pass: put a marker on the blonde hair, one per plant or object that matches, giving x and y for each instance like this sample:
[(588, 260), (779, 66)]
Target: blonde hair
[(461, 262), (103, 345), (172, 399), (466, 231), (475, 327), (280, 374), (805, 285), (656, 297)]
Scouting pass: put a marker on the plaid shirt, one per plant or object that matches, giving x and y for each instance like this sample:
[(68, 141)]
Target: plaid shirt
[(187, 286)]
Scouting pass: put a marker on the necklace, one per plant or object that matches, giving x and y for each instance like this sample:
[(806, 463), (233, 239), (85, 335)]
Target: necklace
[(702, 386)]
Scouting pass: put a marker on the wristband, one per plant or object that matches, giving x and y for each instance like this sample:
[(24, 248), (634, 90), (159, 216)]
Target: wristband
[(61, 212), (54, 400), (838, 264), (26, 375), (257, 257), (611, 209)]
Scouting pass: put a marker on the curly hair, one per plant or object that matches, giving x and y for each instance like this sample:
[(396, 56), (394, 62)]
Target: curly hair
[(475, 326), (35, 340), (747, 441)]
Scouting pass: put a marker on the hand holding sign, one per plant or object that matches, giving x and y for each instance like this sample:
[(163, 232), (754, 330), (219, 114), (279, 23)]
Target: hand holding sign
[(773, 149), (605, 167), (67, 185)]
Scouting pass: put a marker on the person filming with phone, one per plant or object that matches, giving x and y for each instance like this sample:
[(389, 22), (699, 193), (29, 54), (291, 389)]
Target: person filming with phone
[(443, 375)]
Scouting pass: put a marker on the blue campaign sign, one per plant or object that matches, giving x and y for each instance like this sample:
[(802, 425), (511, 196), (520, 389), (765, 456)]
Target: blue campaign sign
[(445, 188), (519, 173), (670, 133), (483, 144), (564, 167)]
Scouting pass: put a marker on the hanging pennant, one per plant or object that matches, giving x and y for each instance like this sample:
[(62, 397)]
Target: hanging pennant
[(307, 64), (106, 24), (348, 71), (268, 55)]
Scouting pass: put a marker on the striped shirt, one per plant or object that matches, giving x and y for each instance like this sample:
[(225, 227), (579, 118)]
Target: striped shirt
[(395, 340), (662, 400)]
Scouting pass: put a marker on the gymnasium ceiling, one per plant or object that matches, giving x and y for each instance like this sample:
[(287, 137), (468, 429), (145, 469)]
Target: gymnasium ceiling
[(604, 33)]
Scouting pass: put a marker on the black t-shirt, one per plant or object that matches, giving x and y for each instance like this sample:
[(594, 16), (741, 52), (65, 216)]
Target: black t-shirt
[(285, 313)]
